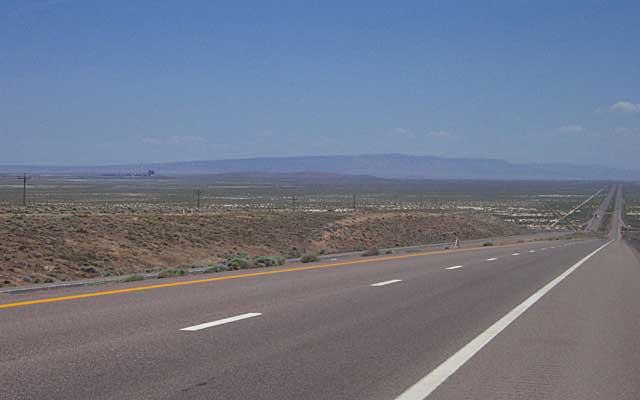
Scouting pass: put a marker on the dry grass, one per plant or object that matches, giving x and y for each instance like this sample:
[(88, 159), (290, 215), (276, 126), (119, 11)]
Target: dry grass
[(44, 248)]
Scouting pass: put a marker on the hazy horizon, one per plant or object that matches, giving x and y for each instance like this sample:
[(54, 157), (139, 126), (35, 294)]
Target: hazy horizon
[(137, 163)]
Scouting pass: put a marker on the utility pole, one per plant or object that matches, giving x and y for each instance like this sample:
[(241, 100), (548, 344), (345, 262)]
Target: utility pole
[(354, 201), (293, 199), (198, 191), (24, 178)]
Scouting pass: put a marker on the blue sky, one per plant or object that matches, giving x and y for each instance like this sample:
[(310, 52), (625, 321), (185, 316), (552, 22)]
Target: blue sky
[(88, 82)]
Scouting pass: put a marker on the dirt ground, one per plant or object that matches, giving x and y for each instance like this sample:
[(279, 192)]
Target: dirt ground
[(46, 248)]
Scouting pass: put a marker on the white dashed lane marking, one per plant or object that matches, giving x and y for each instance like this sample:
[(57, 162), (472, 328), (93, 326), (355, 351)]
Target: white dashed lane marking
[(386, 282), (220, 322)]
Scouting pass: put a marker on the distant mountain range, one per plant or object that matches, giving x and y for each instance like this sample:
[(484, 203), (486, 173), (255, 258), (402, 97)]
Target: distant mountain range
[(378, 165)]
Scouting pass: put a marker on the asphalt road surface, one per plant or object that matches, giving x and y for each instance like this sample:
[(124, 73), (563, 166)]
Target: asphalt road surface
[(598, 217), (543, 320)]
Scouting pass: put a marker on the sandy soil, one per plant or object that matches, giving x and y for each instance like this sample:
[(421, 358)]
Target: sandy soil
[(46, 248)]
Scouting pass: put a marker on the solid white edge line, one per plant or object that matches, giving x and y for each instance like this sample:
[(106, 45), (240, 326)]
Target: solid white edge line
[(454, 267), (220, 322), (425, 386), (386, 282)]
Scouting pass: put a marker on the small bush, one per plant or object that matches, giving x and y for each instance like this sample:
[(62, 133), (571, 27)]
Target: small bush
[(168, 273), (293, 253), (307, 258), (217, 268), (133, 278), (240, 261), (88, 269), (486, 244), (360, 247), (371, 252), (388, 251), (268, 261)]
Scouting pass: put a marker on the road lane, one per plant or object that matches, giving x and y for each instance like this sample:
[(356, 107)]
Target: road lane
[(243, 294), (432, 381), (595, 223), (579, 342), (327, 335)]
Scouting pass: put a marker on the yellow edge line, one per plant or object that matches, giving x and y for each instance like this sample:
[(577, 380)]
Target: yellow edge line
[(249, 275)]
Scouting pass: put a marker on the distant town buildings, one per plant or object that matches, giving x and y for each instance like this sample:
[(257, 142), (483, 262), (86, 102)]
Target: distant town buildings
[(138, 174)]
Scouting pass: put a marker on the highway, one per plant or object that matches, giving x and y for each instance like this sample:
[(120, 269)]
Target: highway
[(540, 320), (595, 223)]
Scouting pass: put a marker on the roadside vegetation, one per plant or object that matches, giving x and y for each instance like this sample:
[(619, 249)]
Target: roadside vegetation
[(371, 252), (89, 228), (133, 278), (308, 258), (170, 273), (631, 215)]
